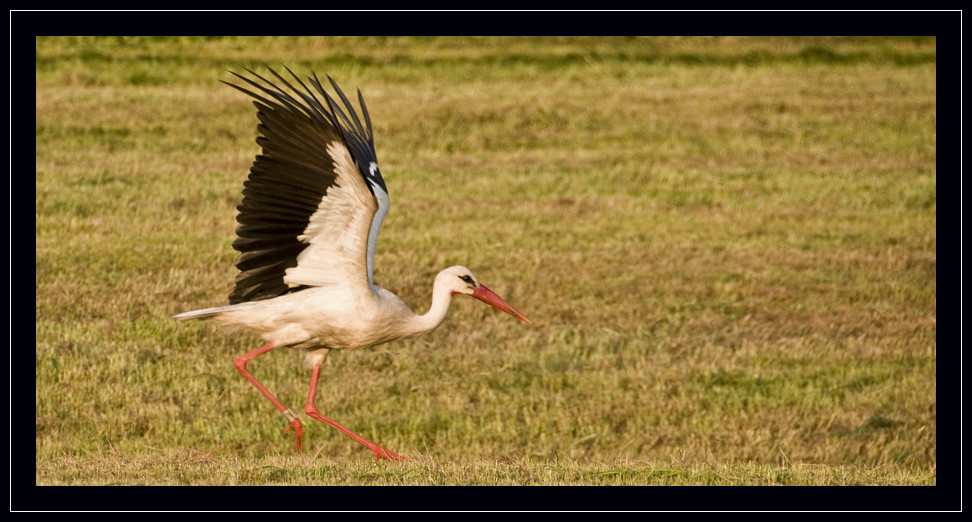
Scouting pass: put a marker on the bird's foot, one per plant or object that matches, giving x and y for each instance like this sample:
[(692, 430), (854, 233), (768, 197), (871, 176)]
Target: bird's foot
[(381, 453), (298, 432)]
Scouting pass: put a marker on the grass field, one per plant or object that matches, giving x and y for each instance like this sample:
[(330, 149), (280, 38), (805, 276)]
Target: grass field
[(727, 245)]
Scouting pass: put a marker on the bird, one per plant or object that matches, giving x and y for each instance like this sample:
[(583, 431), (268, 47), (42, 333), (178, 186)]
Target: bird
[(307, 228)]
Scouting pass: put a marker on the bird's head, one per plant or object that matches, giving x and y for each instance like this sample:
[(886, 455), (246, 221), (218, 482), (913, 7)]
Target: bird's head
[(461, 280)]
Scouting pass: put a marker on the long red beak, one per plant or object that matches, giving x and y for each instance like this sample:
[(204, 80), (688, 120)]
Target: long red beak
[(488, 296)]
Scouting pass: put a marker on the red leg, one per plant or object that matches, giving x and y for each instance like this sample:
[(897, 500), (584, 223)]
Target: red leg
[(311, 410), (294, 421)]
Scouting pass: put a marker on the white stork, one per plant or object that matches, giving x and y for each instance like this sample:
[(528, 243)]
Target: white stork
[(308, 224)]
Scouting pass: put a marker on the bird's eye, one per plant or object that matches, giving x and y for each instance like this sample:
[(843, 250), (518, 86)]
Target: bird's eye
[(466, 279)]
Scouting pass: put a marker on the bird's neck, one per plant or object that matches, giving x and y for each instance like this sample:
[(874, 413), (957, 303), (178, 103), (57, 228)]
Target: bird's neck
[(441, 299)]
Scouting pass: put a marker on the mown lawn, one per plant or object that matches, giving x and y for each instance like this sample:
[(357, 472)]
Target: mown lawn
[(727, 245)]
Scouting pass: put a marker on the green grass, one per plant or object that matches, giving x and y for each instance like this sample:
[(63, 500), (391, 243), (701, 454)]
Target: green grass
[(728, 246)]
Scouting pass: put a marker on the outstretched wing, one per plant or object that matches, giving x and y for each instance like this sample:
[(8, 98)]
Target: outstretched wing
[(314, 200)]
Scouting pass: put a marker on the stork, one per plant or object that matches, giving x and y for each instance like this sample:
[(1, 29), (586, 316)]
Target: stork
[(309, 219)]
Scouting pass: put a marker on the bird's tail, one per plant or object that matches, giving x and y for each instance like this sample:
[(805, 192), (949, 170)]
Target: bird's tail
[(204, 313)]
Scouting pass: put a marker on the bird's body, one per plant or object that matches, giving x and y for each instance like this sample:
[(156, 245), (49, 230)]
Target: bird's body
[(338, 316), (312, 208)]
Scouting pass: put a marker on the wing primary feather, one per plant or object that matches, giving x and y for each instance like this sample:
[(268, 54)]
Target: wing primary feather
[(356, 140), (311, 99), (347, 104), (364, 113), (284, 101), (311, 102), (280, 93), (332, 105)]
